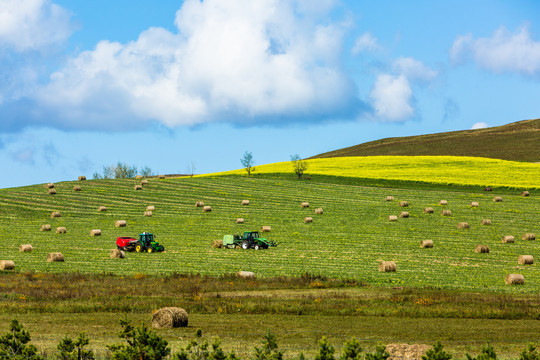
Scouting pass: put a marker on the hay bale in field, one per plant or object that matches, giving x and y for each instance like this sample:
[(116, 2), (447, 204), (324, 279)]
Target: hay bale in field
[(404, 214), (45, 227), (528, 236), (199, 204), (25, 248), (497, 199), (403, 203), (387, 266), (61, 230), (245, 275), (137, 187), (508, 239), (240, 220), (7, 265), (144, 182), (318, 211), (245, 202), (120, 223), (389, 198), (148, 213), (514, 279), (426, 243), (308, 219), (266, 228), (488, 188), (77, 188), (463, 225), (207, 208), (429, 210), (138, 177), (117, 254), (82, 178), (474, 204), (55, 257), (161, 176), (486, 222), (304, 204), (51, 192), (525, 260), (55, 214), (446, 213), (406, 351), (95, 232), (392, 218), (217, 244), (50, 185), (150, 208), (443, 202), (481, 249), (525, 193), (170, 317), (102, 208)]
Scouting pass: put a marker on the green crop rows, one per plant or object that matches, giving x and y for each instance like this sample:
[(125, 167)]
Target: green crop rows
[(347, 241)]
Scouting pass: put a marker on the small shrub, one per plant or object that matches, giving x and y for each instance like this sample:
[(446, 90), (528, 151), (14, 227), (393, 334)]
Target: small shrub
[(488, 353), (379, 354), (70, 349), (529, 353), (269, 350), (326, 351), (351, 350), (14, 344), (142, 344), (436, 353)]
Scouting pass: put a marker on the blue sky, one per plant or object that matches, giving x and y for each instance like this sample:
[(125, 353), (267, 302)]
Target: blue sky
[(167, 84)]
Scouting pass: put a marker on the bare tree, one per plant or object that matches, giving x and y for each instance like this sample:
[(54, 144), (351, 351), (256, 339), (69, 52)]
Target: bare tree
[(299, 165), (248, 162)]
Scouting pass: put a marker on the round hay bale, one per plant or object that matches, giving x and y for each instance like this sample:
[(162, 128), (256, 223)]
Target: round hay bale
[(392, 218), (102, 208), (528, 236), (199, 204), (508, 239), (51, 191), (217, 244), (481, 249), (304, 204), (95, 232), (137, 187), (474, 204), (426, 244), (389, 198), (486, 222), (265, 228), (207, 208), (404, 214), (446, 213), (245, 202), (514, 279), (525, 260), (161, 176), (138, 177), (525, 193), (318, 211), (144, 182), (463, 225), (148, 213), (497, 199), (7, 265), (429, 210), (387, 266), (240, 220), (50, 185), (77, 188), (245, 275), (150, 208), (170, 317), (55, 214), (308, 219), (61, 230), (45, 227), (25, 248), (82, 178), (120, 223), (443, 202), (488, 188), (117, 254), (55, 257), (403, 203)]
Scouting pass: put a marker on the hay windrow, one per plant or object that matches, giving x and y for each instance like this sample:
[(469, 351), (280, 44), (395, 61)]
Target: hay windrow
[(7, 265), (429, 210), (55, 257), (240, 220), (474, 204), (217, 244), (137, 187), (304, 204), (117, 254), (508, 239), (319, 211), (77, 188), (207, 208), (25, 248), (61, 230), (308, 219), (404, 214), (392, 218), (403, 203), (528, 236), (481, 249), (170, 317), (387, 266), (497, 199), (525, 260), (148, 213), (102, 208), (245, 202), (120, 223), (51, 191), (95, 232), (55, 214), (525, 193), (266, 228), (486, 222), (426, 243), (82, 178), (245, 274), (446, 213), (463, 225), (45, 227), (514, 279), (443, 202), (389, 198), (199, 204)]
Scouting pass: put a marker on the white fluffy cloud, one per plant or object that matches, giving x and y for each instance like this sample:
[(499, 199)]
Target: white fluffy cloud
[(391, 97), (503, 51), (414, 70), (479, 125), (237, 60)]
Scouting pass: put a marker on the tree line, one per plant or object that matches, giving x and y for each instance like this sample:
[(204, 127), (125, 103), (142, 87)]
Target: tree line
[(299, 165)]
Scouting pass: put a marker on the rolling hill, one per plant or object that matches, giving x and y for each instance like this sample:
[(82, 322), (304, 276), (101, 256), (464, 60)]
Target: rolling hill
[(517, 141)]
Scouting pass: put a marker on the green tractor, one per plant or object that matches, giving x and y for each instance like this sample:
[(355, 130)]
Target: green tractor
[(146, 243), (250, 240)]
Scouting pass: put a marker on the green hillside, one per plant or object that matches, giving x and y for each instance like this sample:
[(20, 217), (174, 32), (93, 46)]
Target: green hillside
[(516, 141)]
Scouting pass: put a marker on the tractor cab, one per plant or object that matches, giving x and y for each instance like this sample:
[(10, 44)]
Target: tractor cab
[(251, 235), (146, 238)]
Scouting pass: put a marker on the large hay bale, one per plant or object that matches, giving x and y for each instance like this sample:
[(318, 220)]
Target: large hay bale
[(486, 222), (50, 185), (404, 214), (474, 204), (207, 208), (199, 204), (488, 188), (403, 203), (161, 176), (304, 204), (245, 275), (45, 227), (117, 254), (95, 232), (406, 351), (144, 182), (426, 243), (55, 257), (265, 228), (392, 218), (120, 223), (55, 214), (137, 187), (508, 239), (318, 211), (25, 248), (525, 193), (7, 265), (463, 225), (446, 213), (308, 219), (481, 249), (150, 208), (51, 191), (525, 260), (61, 230), (102, 208), (387, 266), (443, 202), (528, 236), (170, 317), (148, 213), (77, 188), (245, 202), (497, 199), (240, 220), (217, 244), (389, 198), (82, 178), (514, 279), (429, 210)]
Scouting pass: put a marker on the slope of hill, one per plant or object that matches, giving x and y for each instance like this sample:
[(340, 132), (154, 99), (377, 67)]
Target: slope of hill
[(516, 141)]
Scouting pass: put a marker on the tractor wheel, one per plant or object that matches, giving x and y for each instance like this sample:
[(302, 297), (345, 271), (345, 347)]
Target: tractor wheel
[(161, 248), (256, 247), (150, 250), (138, 248), (245, 244)]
